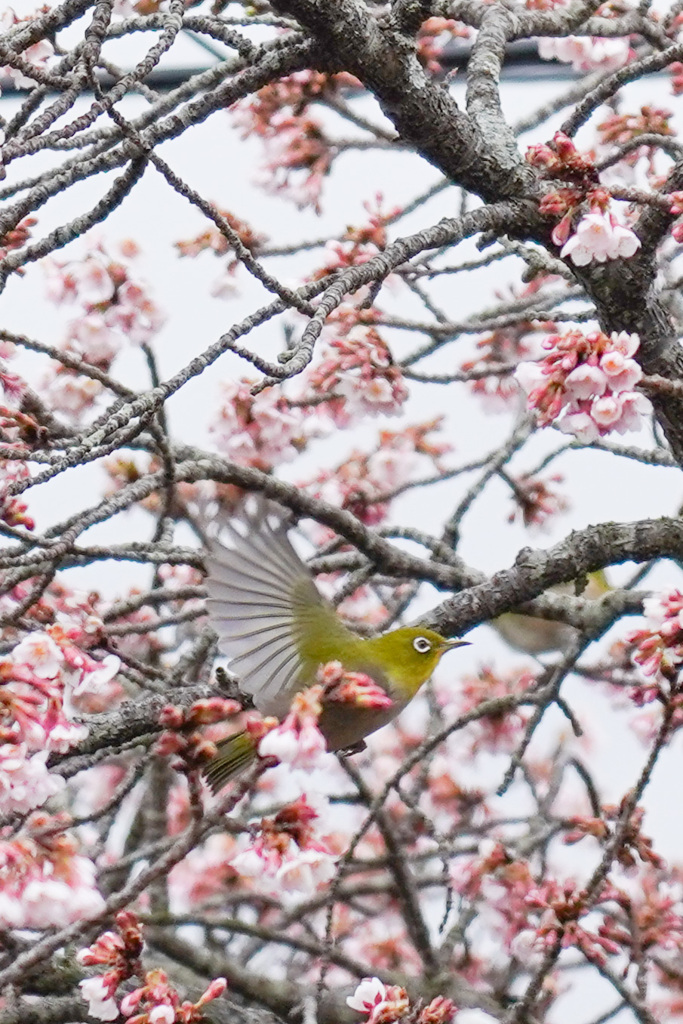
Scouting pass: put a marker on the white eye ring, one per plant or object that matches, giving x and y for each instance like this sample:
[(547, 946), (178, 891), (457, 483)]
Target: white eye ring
[(422, 644)]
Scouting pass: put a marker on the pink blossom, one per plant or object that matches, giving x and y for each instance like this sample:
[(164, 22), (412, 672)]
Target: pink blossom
[(92, 280), (586, 53), (97, 678), (585, 381), (69, 394), (357, 373), (260, 430), (305, 872), (633, 407), (64, 735), (25, 782), (163, 1014), (39, 651), (97, 994), (91, 338), (299, 745), (106, 949), (606, 410), (581, 425), (369, 994), (599, 237), (37, 54), (658, 647), (297, 741), (134, 314), (623, 373), (530, 376)]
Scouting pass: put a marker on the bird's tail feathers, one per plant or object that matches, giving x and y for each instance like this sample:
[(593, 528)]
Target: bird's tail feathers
[(234, 755)]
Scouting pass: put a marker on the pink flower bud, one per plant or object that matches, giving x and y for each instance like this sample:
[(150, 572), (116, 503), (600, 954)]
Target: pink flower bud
[(171, 717), (215, 989)]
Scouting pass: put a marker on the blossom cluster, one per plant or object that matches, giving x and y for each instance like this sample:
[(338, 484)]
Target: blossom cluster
[(120, 952), (618, 129), (493, 732), (657, 648), (13, 509), (18, 236), (44, 671), (433, 37), (586, 53), (357, 374), (598, 236), (634, 845), (215, 241), (44, 881), (388, 1004), (156, 1001), (360, 243), (340, 686), (181, 737), (297, 740), (115, 308), (298, 153), (363, 483), (288, 854), (585, 385), (262, 430), (356, 377), (537, 500), (504, 347), (536, 915)]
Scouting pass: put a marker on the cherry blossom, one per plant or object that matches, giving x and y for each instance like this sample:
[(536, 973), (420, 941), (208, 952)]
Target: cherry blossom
[(290, 855), (537, 501), (42, 655), (382, 1004), (586, 53), (114, 309), (98, 996), (358, 375), (297, 741), (657, 648), (433, 37), (45, 882), (25, 782), (160, 1003), (600, 237), (585, 384), (261, 430), (342, 687), (360, 482), (369, 994), (298, 154)]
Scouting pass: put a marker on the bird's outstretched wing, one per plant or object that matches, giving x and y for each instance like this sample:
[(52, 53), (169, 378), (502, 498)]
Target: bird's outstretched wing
[(260, 600)]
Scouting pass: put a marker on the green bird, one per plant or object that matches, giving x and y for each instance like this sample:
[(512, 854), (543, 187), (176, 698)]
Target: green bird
[(277, 630)]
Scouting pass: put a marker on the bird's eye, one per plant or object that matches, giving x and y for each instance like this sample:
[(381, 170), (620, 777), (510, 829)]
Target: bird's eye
[(422, 644)]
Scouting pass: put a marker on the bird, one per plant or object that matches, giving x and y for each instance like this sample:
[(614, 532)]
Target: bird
[(277, 630), (534, 635)]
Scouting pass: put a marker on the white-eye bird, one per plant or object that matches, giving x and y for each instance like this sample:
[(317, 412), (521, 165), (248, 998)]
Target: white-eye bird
[(277, 630)]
